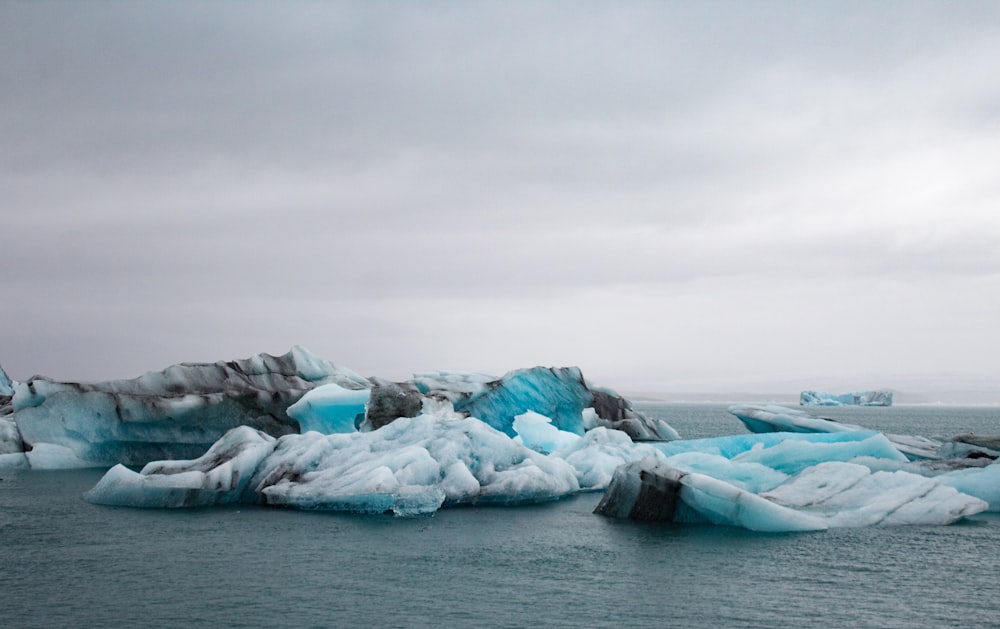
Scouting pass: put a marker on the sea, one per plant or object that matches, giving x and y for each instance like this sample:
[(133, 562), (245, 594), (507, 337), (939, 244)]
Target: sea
[(67, 563)]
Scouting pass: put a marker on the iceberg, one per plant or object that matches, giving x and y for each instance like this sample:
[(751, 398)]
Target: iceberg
[(559, 393), (417, 465), (175, 413), (537, 432), (653, 490), (771, 418), (827, 495), (412, 466), (299, 432), (858, 398), (178, 413)]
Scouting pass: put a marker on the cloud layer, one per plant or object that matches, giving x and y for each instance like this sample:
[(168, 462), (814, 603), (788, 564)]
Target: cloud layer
[(669, 195)]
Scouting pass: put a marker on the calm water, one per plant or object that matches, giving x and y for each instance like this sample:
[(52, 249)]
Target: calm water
[(64, 562)]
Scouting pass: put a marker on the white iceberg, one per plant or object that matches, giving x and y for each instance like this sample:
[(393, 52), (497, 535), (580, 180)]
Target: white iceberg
[(412, 466)]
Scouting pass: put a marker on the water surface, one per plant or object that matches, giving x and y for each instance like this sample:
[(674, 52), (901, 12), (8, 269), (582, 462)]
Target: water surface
[(64, 562)]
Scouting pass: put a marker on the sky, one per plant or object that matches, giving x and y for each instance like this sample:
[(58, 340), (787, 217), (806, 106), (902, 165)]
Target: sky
[(674, 196)]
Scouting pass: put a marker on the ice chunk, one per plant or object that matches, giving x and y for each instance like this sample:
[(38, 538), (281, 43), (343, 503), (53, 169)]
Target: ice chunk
[(851, 495), (770, 418), (597, 454), (537, 432), (791, 456), (654, 490), (411, 466), (330, 408), (561, 394), (983, 483), (220, 476), (858, 398), (175, 413), (833, 494)]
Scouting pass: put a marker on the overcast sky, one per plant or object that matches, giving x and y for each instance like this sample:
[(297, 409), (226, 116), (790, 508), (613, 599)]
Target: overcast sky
[(675, 196)]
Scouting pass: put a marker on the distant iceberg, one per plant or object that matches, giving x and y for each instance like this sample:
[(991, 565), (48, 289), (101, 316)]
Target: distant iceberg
[(859, 398)]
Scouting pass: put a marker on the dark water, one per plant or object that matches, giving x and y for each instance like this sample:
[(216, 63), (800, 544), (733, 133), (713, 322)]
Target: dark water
[(64, 562)]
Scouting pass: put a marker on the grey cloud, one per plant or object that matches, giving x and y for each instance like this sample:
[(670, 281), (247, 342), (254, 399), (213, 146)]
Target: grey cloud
[(387, 182)]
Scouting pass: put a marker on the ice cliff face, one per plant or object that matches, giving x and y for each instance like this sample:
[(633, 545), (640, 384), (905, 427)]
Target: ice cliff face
[(175, 413), (859, 398)]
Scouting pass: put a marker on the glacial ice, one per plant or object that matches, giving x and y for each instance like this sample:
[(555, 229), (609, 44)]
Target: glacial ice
[(826, 495), (175, 413), (330, 408), (414, 466), (857, 398), (771, 418), (178, 413), (561, 394), (297, 431), (537, 432)]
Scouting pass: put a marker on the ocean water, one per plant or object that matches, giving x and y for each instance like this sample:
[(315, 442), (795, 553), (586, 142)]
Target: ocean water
[(66, 563)]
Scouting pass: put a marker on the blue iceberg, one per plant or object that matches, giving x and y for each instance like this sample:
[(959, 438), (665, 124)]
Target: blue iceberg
[(178, 413), (858, 398), (559, 393), (770, 418), (175, 413)]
